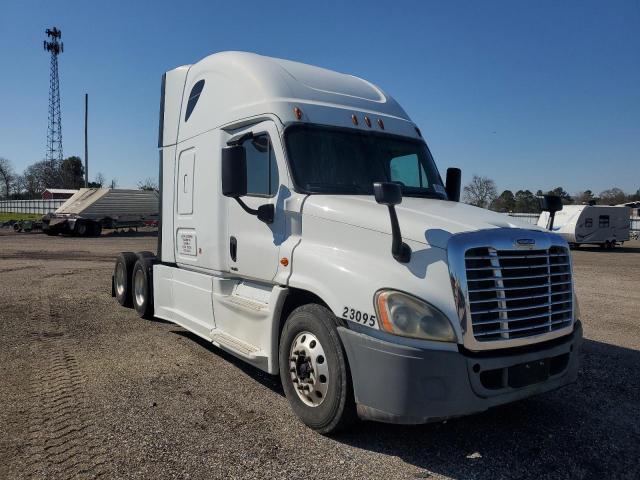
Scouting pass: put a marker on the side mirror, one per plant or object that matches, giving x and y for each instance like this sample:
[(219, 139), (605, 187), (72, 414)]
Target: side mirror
[(234, 171), (234, 182), (387, 193), (454, 181), (551, 204), (390, 194)]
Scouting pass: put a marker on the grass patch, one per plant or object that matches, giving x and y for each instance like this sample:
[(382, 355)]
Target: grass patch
[(5, 217)]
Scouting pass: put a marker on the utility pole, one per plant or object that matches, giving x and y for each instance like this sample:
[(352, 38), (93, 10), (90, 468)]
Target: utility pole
[(86, 144), (54, 45)]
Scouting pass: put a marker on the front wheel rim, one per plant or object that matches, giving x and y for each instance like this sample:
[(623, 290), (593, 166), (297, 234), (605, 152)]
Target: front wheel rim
[(138, 286), (309, 369)]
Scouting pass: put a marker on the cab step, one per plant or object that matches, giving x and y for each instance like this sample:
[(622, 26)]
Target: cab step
[(224, 340)]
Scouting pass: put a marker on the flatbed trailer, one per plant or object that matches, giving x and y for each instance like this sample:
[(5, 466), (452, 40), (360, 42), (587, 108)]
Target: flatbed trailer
[(91, 209)]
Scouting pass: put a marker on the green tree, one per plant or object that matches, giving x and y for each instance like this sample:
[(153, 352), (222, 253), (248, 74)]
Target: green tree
[(526, 202), (72, 172), (562, 193), (98, 181), (583, 198), (505, 202)]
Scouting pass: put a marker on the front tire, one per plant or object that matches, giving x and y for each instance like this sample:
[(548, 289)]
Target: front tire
[(314, 371)]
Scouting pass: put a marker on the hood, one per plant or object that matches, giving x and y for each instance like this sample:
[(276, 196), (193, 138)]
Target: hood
[(423, 220)]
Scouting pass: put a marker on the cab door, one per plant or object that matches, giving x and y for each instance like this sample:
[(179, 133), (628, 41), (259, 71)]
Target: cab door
[(254, 245)]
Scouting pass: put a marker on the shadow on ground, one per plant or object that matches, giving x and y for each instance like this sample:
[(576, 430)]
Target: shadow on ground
[(269, 381), (587, 430), (633, 248)]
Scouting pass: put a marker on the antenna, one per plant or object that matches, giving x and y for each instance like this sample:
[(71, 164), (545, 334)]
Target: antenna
[(54, 45)]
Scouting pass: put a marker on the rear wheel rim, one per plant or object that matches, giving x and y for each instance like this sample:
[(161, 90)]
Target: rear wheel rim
[(309, 369), (119, 279), (138, 287)]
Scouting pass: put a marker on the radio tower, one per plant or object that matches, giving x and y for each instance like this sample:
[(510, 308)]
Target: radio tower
[(54, 129)]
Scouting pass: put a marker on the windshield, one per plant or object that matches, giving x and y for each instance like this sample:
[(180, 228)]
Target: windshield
[(347, 161)]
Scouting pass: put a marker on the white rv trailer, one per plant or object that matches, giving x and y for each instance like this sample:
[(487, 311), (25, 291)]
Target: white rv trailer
[(305, 229), (591, 224)]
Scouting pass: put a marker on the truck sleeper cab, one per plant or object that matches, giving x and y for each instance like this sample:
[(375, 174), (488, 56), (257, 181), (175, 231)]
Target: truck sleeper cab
[(305, 229)]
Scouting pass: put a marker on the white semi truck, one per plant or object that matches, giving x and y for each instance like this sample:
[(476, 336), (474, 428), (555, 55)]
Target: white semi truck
[(306, 230)]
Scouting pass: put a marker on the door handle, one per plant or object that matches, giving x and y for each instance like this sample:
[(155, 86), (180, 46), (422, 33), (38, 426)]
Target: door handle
[(233, 248)]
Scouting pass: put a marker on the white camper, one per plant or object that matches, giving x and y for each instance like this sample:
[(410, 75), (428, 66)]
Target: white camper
[(306, 230), (606, 226)]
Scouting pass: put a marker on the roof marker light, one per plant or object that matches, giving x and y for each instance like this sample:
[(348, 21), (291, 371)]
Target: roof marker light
[(367, 120), (297, 112), (354, 119), (381, 123)]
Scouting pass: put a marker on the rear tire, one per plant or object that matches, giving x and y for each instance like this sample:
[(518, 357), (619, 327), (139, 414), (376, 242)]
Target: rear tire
[(302, 366), (81, 228), (142, 285), (122, 277), (95, 229)]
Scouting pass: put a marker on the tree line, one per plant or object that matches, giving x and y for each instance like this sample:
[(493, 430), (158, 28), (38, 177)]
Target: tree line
[(482, 192), (67, 173)]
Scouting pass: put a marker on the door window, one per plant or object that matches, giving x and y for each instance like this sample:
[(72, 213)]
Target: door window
[(588, 223), (603, 221), (262, 169)]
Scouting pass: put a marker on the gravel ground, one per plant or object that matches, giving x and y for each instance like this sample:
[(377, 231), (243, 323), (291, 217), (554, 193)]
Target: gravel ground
[(89, 390)]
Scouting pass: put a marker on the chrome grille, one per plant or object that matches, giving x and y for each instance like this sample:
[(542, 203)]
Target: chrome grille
[(518, 293)]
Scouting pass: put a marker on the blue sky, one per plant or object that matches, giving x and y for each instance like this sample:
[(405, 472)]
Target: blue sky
[(531, 94)]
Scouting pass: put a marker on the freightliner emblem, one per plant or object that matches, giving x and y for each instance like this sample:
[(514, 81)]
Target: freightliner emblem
[(525, 243)]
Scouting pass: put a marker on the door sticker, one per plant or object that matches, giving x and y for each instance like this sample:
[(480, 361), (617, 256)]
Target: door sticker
[(187, 242)]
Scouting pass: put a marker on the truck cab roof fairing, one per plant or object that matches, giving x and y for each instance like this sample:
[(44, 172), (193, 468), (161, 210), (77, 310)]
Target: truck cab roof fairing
[(243, 85)]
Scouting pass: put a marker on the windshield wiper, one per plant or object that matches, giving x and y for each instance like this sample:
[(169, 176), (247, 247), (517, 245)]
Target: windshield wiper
[(318, 187)]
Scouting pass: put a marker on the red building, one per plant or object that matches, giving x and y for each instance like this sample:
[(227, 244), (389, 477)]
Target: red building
[(57, 193)]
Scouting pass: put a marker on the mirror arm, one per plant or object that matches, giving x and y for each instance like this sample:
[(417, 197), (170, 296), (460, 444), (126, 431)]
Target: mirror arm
[(400, 250), (265, 213), (246, 207)]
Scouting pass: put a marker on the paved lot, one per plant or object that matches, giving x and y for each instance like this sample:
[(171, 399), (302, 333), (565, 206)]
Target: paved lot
[(89, 390)]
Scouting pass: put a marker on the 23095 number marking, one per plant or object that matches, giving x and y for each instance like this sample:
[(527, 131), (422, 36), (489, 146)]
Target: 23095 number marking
[(358, 316)]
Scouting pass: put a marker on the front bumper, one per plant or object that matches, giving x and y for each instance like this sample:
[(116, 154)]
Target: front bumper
[(397, 383)]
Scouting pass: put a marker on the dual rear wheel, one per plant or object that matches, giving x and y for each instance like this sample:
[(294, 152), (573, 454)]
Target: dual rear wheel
[(133, 281)]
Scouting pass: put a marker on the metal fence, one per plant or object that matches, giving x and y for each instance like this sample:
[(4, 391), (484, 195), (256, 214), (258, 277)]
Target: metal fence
[(38, 206), (526, 217)]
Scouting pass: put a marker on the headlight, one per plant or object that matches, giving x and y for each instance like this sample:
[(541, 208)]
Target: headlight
[(402, 314)]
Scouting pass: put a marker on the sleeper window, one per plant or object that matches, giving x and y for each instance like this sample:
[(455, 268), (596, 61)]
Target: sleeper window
[(262, 169), (193, 98), (603, 221)]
